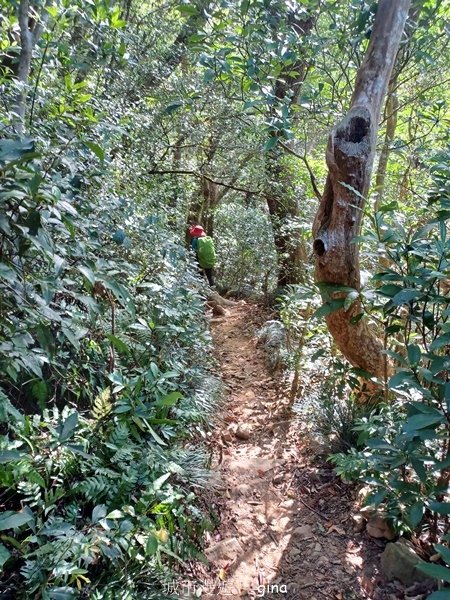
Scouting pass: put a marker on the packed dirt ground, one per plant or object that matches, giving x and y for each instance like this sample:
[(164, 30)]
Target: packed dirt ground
[(286, 520)]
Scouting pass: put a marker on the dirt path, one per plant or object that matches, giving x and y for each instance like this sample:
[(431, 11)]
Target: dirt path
[(286, 528)]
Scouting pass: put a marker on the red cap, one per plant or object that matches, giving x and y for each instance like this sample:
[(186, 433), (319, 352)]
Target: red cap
[(196, 231)]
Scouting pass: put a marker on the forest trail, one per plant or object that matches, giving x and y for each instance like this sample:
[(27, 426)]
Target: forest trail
[(286, 529)]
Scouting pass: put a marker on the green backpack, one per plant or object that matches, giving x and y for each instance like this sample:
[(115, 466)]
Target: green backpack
[(206, 252)]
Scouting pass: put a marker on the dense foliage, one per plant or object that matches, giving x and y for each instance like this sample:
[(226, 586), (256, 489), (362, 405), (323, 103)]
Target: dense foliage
[(104, 348), (121, 123)]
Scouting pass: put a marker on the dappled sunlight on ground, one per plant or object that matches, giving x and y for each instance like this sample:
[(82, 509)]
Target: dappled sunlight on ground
[(286, 528)]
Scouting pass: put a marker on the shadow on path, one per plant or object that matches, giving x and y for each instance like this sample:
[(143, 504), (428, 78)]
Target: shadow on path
[(286, 529)]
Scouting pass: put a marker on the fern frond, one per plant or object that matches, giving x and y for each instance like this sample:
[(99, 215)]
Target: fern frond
[(31, 493), (119, 437), (102, 405), (95, 488)]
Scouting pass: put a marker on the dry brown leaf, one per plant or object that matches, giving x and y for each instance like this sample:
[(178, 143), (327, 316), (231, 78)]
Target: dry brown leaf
[(337, 529)]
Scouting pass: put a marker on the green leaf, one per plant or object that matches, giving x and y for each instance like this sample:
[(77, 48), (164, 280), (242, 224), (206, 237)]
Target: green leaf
[(121, 293), (122, 408), (88, 273), (13, 150), (45, 338), (375, 498), (173, 106), (68, 428), (172, 554), (151, 547), (381, 445), (441, 595), (328, 308), (208, 75), (71, 338), (350, 299), (187, 9), (62, 593), (52, 11), (12, 520), (422, 422), (119, 237), (36, 477), (415, 514), (40, 393), (115, 514), (170, 399), (414, 354), (156, 436), (391, 206), (444, 551), (436, 571), (400, 379), (440, 342), (389, 290), (419, 468), (98, 512), (96, 149), (405, 296), (271, 143), (352, 189), (118, 343), (443, 508), (4, 555), (7, 456), (158, 483)]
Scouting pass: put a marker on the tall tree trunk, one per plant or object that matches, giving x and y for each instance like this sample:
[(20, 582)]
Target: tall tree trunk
[(350, 154), (202, 198), (390, 112), (30, 32), (283, 209), (392, 105), (23, 68)]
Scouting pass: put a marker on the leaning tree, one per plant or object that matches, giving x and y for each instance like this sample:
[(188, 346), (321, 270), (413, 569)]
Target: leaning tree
[(350, 155)]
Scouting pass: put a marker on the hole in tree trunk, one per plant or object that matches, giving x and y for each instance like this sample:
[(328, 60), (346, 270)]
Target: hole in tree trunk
[(319, 247), (355, 131)]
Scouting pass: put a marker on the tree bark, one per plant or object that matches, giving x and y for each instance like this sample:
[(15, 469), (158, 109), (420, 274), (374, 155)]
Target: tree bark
[(392, 104), (29, 36), (283, 209), (290, 249), (23, 68), (391, 111), (350, 154)]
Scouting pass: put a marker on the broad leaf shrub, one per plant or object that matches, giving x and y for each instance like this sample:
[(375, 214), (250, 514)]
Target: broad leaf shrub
[(405, 461), (323, 386), (246, 257), (105, 388)]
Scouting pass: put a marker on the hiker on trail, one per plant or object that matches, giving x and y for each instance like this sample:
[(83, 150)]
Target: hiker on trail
[(203, 247)]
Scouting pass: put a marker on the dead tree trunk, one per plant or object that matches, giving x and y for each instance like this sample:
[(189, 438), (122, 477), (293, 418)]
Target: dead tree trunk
[(350, 154)]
